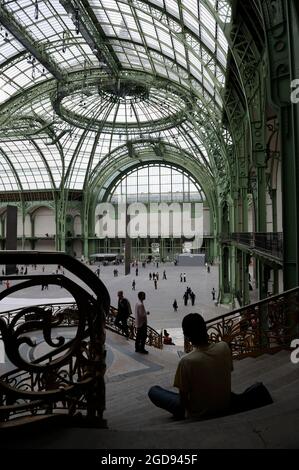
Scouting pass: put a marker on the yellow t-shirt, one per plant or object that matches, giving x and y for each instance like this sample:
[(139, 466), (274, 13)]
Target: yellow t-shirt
[(204, 375)]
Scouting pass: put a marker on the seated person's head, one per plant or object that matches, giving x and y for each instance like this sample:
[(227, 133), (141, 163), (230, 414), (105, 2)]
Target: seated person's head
[(195, 330)]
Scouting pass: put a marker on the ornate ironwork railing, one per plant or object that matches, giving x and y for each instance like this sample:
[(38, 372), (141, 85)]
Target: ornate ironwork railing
[(68, 380), (264, 327), (154, 338)]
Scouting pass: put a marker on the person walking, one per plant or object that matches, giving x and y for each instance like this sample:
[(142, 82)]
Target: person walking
[(213, 294), (134, 285), (175, 305), (141, 324), (164, 275), (185, 279), (193, 296), (123, 313), (156, 284), (181, 277)]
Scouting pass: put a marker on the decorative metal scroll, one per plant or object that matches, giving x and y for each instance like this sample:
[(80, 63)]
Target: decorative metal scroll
[(265, 327), (154, 338), (67, 380)]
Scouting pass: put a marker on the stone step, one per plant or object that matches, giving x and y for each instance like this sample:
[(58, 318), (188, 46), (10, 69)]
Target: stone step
[(269, 375), (271, 366), (260, 363)]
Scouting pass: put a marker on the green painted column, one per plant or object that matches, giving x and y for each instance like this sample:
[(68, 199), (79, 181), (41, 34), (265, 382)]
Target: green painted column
[(273, 195), (245, 268), (282, 32), (290, 200), (276, 282), (244, 197), (227, 261), (128, 248), (261, 224)]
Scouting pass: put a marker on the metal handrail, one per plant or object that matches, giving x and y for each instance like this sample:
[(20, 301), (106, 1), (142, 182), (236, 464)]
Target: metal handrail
[(265, 326), (71, 376), (154, 338)]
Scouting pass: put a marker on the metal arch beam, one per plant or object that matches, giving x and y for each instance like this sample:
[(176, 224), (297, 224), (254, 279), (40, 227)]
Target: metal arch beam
[(13, 104), (93, 34), (33, 206), (45, 163), (128, 170), (77, 150), (127, 165), (173, 123), (28, 131), (165, 82), (38, 51), (198, 173), (211, 116), (14, 171), (211, 139), (50, 86), (120, 151), (141, 76), (123, 151)]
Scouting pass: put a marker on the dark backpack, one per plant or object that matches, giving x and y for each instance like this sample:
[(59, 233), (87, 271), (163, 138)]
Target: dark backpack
[(254, 396)]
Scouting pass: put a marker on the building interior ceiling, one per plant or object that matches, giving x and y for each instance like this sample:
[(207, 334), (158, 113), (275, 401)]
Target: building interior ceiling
[(85, 81)]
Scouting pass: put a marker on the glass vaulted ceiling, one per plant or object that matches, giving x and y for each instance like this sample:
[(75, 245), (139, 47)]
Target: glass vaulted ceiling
[(80, 79)]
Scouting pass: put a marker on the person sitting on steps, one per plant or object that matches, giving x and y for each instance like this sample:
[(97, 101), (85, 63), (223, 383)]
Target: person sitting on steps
[(203, 378), (167, 339)]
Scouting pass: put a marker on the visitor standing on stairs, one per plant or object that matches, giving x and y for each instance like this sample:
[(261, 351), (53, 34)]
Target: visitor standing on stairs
[(141, 324), (123, 313)]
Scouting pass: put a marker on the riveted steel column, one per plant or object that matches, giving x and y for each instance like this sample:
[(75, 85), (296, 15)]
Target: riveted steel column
[(281, 19)]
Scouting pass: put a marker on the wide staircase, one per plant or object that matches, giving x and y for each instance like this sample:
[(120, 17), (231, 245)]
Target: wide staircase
[(273, 426), (70, 382), (133, 422)]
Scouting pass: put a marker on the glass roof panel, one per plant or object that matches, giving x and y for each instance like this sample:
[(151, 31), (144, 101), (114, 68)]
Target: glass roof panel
[(28, 164), (8, 180), (21, 75), (179, 40), (9, 47)]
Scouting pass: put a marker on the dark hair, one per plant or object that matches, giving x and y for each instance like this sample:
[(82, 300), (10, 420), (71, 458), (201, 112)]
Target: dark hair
[(141, 295), (194, 328)]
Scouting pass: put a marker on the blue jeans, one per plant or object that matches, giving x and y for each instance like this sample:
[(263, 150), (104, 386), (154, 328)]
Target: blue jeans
[(253, 397), (167, 400)]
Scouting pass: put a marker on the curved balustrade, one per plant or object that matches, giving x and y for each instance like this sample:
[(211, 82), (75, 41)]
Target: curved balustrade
[(23, 387), (68, 380), (266, 326), (153, 337)]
